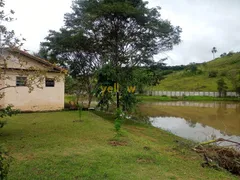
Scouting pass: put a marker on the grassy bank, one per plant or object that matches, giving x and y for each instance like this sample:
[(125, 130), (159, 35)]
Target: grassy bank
[(143, 98), (225, 67), (57, 146)]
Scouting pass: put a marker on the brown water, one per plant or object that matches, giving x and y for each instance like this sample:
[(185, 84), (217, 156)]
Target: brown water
[(198, 121)]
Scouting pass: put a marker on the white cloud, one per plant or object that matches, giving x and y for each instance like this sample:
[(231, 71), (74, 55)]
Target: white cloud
[(36, 17), (205, 24)]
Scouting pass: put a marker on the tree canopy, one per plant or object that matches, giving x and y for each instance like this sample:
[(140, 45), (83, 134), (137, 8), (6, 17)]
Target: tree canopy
[(120, 33)]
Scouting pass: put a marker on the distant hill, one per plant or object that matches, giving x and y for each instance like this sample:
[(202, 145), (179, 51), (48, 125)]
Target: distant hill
[(202, 77)]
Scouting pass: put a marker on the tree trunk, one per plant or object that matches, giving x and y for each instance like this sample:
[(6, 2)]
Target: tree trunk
[(118, 101), (90, 96)]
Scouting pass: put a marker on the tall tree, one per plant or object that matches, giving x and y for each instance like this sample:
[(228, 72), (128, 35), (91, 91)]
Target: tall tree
[(121, 33), (235, 79), (74, 50), (7, 40), (222, 87), (214, 51), (7, 37)]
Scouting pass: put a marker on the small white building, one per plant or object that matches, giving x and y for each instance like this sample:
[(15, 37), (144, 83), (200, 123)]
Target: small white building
[(30, 83)]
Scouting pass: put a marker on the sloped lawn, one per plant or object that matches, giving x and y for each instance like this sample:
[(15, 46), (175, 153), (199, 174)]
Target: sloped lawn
[(57, 145)]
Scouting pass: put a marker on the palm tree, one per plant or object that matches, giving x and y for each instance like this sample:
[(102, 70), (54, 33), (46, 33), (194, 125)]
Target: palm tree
[(214, 50)]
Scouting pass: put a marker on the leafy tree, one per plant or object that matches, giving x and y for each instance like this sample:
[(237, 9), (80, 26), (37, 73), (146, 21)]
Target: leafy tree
[(10, 48), (214, 51), (222, 87), (156, 73), (114, 32), (192, 68), (230, 53), (223, 55), (8, 111), (7, 40), (235, 79), (74, 50), (146, 76), (43, 53), (237, 88), (5, 161), (106, 77), (69, 85)]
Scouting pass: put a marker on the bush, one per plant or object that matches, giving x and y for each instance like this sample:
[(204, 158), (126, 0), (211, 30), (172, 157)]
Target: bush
[(71, 105), (173, 97), (212, 74), (5, 161), (223, 55), (2, 123), (8, 111), (223, 74), (192, 68), (230, 53), (119, 120), (199, 71)]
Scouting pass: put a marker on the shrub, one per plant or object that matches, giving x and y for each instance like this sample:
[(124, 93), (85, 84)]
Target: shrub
[(223, 55), (192, 68), (71, 105), (8, 111), (230, 53), (173, 97), (223, 74), (117, 124), (5, 161), (199, 71), (119, 120), (212, 74), (2, 123)]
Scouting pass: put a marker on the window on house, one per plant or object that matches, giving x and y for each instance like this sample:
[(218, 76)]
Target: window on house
[(21, 81), (49, 82)]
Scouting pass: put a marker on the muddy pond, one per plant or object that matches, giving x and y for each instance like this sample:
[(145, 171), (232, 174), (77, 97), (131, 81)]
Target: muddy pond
[(198, 121)]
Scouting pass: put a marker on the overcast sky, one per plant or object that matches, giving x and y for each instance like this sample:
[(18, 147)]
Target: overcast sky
[(205, 23)]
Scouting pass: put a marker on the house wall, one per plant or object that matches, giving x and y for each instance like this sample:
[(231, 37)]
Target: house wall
[(1, 93), (48, 98)]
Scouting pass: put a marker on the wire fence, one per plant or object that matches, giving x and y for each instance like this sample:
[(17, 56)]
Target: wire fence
[(188, 93)]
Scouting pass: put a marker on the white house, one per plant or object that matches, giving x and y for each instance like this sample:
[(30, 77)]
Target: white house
[(30, 83)]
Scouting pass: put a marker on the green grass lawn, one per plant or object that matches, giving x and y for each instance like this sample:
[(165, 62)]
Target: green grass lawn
[(56, 146)]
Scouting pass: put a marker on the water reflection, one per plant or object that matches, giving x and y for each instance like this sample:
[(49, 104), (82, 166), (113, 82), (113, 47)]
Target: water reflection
[(189, 130), (214, 104), (191, 124), (196, 120)]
